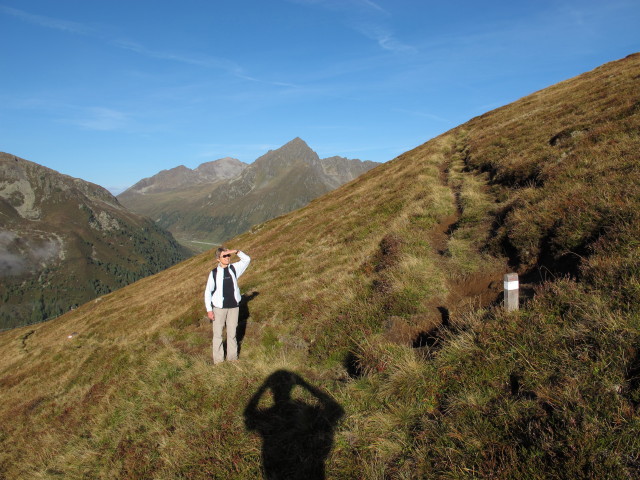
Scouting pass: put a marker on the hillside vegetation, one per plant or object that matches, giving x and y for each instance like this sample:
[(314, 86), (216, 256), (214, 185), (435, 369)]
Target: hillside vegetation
[(378, 306)]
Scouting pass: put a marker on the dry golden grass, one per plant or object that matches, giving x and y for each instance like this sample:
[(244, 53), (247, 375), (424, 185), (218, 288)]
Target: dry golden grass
[(380, 294)]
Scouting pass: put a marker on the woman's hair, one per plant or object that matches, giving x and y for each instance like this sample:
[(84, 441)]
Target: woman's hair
[(219, 251)]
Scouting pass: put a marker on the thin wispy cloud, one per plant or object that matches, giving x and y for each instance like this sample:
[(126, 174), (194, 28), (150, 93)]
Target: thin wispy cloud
[(101, 119), (48, 22), (267, 82), (421, 114), (384, 38), (200, 60), (343, 4), (77, 28), (96, 118), (363, 17), (206, 61), (363, 8), (23, 103), (372, 5)]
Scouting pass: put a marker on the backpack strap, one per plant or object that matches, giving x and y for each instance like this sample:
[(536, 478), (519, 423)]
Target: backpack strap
[(213, 274)]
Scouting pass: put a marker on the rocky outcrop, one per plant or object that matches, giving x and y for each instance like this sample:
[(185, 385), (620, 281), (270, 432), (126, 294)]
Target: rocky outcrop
[(183, 177)]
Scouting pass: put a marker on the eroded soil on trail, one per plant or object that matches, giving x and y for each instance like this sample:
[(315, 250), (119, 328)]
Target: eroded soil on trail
[(465, 293), (439, 236)]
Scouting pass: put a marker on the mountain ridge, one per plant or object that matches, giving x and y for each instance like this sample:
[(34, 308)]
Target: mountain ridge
[(214, 209), (223, 168)]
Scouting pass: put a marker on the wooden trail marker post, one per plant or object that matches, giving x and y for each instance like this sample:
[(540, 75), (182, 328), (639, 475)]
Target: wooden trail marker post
[(511, 291)]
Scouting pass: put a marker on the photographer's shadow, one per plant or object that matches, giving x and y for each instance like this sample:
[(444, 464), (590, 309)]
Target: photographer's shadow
[(297, 437)]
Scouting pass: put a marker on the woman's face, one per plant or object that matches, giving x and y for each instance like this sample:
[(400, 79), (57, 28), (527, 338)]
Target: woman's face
[(225, 258)]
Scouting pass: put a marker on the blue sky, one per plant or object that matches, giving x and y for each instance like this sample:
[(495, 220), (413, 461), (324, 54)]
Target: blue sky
[(112, 91)]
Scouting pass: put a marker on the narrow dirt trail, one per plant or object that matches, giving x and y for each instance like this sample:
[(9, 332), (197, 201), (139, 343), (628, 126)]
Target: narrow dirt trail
[(479, 289), (476, 290), (465, 292), (439, 236)]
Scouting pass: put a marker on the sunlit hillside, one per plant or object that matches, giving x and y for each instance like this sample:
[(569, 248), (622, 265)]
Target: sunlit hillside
[(378, 308)]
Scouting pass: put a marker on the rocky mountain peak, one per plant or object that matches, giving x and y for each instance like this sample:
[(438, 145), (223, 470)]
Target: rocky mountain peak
[(294, 152), (279, 181), (184, 177), (221, 169)]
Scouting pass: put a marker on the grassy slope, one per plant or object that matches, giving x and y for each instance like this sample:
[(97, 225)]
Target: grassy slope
[(380, 294)]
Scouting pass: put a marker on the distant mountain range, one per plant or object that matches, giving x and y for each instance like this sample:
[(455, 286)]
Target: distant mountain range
[(223, 198), (64, 241)]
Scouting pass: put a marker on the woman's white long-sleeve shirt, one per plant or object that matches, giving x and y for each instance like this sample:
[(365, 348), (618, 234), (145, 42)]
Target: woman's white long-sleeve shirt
[(214, 299)]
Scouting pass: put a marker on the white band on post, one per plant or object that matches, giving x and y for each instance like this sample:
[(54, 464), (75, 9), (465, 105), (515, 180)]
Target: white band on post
[(512, 285)]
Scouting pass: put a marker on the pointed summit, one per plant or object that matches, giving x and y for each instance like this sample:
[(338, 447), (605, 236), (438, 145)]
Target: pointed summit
[(297, 141), (294, 152)]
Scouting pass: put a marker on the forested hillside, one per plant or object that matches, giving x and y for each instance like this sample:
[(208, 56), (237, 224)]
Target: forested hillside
[(64, 241)]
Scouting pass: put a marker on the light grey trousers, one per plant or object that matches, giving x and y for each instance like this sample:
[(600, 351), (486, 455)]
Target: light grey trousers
[(222, 317)]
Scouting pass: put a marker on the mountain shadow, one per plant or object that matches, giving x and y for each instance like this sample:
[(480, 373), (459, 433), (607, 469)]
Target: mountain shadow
[(296, 436)]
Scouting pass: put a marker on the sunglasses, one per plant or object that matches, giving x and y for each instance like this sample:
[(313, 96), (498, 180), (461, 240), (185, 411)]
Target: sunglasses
[(226, 256)]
